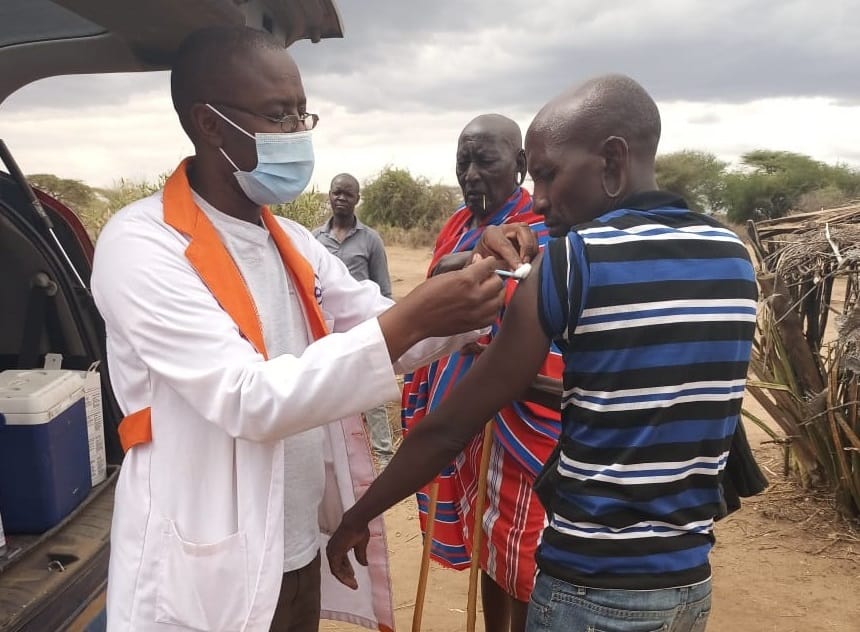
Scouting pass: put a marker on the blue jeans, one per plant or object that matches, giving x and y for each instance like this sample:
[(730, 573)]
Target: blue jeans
[(557, 606)]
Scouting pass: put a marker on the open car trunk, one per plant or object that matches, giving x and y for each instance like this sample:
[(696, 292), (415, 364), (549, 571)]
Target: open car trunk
[(56, 580), (46, 579)]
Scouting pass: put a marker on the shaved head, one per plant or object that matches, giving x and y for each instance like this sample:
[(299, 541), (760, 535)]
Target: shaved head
[(210, 61), (494, 125), (590, 148), (611, 105), (491, 162)]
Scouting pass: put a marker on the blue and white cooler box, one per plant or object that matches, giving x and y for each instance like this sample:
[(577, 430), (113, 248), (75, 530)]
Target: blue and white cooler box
[(44, 451)]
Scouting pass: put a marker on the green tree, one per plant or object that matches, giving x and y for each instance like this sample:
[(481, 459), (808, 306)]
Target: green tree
[(73, 193), (771, 162), (444, 199), (756, 196), (125, 191), (770, 184), (846, 179), (309, 209), (697, 176), (108, 200), (396, 198), (829, 196)]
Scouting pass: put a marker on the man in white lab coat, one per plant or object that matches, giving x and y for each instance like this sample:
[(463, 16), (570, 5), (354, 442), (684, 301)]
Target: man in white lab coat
[(235, 340)]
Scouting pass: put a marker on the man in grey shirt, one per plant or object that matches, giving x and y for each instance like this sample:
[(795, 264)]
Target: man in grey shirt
[(361, 249)]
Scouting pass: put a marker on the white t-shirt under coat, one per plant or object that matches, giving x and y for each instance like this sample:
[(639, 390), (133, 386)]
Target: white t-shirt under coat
[(284, 331)]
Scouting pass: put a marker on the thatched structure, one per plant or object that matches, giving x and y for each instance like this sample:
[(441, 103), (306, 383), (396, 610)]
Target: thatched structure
[(809, 270)]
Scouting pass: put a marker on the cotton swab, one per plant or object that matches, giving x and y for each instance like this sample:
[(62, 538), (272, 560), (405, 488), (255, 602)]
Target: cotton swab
[(519, 274)]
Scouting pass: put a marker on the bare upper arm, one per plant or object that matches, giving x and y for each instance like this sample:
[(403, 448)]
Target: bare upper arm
[(502, 373), (520, 347)]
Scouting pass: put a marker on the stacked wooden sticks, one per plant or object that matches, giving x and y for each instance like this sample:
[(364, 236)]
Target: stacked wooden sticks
[(808, 372)]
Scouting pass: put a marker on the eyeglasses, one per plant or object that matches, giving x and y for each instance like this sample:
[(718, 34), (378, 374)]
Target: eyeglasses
[(289, 122)]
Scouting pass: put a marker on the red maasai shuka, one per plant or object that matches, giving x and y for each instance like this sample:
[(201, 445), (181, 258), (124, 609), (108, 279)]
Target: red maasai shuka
[(524, 435)]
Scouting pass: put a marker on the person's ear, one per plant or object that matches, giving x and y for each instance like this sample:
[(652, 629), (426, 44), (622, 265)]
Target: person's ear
[(357, 198), (616, 166), (206, 125), (522, 166)]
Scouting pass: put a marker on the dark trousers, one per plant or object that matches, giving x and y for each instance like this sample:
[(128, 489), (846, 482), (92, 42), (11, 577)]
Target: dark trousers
[(298, 607)]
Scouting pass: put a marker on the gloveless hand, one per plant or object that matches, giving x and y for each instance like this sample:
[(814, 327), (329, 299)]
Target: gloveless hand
[(347, 537), (458, 301), (515, 244)]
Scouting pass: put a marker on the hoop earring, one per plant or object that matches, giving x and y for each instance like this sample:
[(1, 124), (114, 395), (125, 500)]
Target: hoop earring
[(522, 178), (611, 195)]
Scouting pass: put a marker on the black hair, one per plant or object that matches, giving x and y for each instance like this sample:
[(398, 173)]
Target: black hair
[(346, 176), (201, 66)]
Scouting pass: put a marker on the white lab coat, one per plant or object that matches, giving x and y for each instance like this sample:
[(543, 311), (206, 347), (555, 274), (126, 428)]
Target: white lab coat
[(197, 535)]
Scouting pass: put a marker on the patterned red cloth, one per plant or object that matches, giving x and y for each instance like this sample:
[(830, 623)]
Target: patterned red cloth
[(524, 435)]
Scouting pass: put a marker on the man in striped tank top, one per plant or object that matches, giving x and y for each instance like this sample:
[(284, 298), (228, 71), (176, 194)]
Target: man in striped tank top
[(653, 307)]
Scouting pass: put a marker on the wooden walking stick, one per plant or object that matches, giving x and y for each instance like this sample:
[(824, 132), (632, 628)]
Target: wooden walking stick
[(478, 529), (418, 612)]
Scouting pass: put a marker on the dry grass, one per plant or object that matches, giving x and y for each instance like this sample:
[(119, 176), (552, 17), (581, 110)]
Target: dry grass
[(811, 513), (409, 237)]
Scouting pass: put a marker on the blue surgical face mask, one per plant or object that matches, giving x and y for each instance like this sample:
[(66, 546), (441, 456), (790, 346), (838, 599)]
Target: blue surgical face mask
[(285, 162)]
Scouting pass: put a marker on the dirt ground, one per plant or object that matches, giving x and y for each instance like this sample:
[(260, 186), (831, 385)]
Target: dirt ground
[(783, 563)]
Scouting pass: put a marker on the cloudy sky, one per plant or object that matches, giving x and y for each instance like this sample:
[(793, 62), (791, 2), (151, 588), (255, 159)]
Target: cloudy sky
[(729, 76)]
